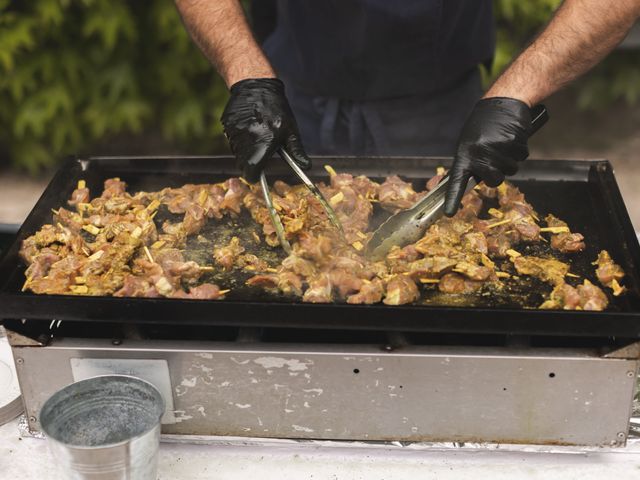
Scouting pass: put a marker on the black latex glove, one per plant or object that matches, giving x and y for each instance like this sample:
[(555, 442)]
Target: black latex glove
[(493, 141), (257, 121)]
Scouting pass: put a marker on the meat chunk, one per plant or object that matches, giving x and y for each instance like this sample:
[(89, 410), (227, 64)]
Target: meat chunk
[(564, 241), (591, 297), (401, 289), (546, 269), (395, 194), (320, 290), (563, 296), (233, 198), (370, 292), (585, 297), (431, 267), (226, 256), (472, 271), (455, 283), (206, 291), (344, 282), (609, 273)]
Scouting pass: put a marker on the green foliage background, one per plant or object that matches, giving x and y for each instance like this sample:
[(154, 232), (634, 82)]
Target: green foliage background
[(77, 72)]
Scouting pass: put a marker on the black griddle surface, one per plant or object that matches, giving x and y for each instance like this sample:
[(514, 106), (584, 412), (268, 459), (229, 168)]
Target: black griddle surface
[(583, 193)]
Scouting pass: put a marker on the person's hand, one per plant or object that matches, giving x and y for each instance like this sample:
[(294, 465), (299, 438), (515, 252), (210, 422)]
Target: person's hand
[(493, 142), (257, 121)]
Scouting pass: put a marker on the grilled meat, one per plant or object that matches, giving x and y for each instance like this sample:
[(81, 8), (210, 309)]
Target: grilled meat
[(609, 273), (395, 194), (562, 239), (401, 289), (227, 255), (111, 245), (546, 269)]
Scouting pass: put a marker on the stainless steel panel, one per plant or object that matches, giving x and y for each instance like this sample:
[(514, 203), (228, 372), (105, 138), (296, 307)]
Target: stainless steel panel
[(466, 394)]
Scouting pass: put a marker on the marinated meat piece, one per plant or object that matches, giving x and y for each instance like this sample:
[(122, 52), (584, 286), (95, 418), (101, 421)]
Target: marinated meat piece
[(187, 272), (609, 273), (267, 281), (475, 242), (585, 297), (313, 248), (591, 297), (137, 286), (498, 245), (365, 187), (250, 262), (546, 269), (370, 292), (434, 181), (289, 283), (299, 266), (226, 256), (472, 202), (455, 283), (194, 219), (523, 223), (509, 195), (113, 187), (344, 282), (431, 267), (319, 291), (565, 242), (395, 194), (50, 286), (281, 188), (41, 264), (473, 271), (206, 291), (80, 195), (568, 242), (401, 289), (168, 255), (213, 201), (563, 296), (233, 199), (406, 254)]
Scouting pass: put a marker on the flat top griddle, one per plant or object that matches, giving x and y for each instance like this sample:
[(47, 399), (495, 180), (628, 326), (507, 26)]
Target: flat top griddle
[(583, 193)]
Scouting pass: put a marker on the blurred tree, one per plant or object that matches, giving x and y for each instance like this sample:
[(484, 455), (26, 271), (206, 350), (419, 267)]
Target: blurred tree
[(617, 78), (75, 72)]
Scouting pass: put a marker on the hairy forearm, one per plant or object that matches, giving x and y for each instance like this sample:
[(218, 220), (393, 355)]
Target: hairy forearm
[(220, 29), (580, 34)]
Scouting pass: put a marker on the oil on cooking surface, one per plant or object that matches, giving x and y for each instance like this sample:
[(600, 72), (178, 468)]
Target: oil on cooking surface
[(215, 241)]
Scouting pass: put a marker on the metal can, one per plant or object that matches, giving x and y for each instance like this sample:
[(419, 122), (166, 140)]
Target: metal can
[(105, 427)]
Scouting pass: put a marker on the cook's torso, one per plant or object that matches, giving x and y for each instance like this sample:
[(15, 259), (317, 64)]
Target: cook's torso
[(371, 49)]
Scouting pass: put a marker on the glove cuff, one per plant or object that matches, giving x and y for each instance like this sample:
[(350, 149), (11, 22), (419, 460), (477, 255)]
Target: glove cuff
[(512, 106), (273, 84)]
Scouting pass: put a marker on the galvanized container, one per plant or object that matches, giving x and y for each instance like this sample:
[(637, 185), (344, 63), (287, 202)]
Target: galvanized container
[(105, 427)]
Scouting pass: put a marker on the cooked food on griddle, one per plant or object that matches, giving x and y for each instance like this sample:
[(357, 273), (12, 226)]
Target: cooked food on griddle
[(562, 238), (585, 297), (609, 273), (546, 269), (126, 244)]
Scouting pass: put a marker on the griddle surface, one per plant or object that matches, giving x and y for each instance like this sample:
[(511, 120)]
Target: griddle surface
[(584, 194)]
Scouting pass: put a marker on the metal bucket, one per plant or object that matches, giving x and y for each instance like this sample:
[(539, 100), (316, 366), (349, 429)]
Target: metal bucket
[(105, 428)]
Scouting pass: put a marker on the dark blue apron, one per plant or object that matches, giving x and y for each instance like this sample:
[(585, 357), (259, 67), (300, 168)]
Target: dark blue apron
[(380, 77)]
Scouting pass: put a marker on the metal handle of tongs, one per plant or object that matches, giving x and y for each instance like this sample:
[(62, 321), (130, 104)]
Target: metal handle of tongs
[(273, 214), (333, 218)]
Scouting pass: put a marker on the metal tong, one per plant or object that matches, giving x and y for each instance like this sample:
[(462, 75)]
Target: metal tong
[(275, 218), (408, 226)]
